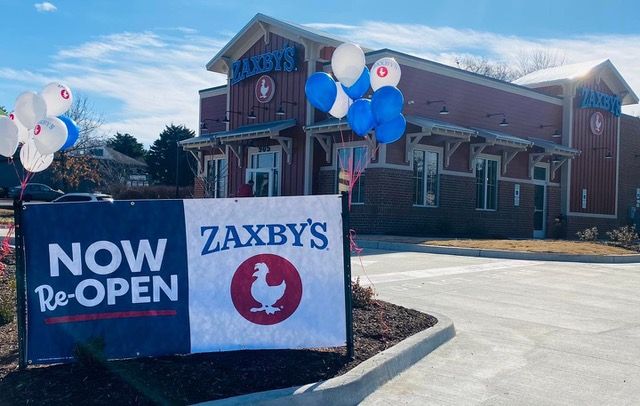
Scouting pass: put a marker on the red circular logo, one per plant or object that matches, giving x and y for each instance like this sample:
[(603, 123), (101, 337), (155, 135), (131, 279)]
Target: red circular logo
[(37, 129), (597, 123), (64, 93), (382, 71), (12, 116), (266, 289), (265, 89)]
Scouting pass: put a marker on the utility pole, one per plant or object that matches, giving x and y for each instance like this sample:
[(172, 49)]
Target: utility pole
[(177, 169)]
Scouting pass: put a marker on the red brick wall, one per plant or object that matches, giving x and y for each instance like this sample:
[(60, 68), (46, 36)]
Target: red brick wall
[(213, 108)]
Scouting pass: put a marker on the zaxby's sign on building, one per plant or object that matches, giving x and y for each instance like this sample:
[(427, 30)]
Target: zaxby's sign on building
[(176, 277)]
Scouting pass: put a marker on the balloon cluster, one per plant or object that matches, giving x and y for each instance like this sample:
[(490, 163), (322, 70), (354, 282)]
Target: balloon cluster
[(345, 97), (37, 123)]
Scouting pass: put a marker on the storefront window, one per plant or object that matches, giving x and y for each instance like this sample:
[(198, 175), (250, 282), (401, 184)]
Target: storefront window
[(264, 172), (351, 162), (216, 184), (486, 184), (425, 178)]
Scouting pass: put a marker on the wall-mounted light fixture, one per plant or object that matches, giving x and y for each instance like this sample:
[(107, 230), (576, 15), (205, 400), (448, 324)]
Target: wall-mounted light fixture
[(280, 111), (226, 115), (504, 122), (607, 155), (252, 114), (556, 132), (443, 111)]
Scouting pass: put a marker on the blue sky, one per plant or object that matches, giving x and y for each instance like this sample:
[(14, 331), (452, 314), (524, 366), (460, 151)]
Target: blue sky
[(141, 62)]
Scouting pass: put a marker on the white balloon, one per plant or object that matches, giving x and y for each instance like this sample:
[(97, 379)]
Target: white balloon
[(8, 136), (58, 98), (347, 63), (385, 72), (32, 160), (341, 104), (23, 132), (30, 108), (49, 135)]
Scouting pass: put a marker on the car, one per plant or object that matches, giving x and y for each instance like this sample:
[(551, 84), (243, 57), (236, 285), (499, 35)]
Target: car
[(35, 191), (84, 197)]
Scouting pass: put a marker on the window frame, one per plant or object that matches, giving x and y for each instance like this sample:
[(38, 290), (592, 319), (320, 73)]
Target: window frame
[(439, 153), (487, 158), (336, 167), (214, 159)]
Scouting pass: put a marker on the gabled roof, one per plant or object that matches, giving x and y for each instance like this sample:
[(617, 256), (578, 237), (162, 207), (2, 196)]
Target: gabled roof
[(256, 28), (566, 73)]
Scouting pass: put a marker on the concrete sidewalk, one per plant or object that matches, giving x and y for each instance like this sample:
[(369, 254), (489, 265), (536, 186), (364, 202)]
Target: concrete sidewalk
[(528, 332)]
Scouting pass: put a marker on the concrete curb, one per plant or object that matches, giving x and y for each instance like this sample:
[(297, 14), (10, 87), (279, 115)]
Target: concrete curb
[(475, 252), (355, 385)]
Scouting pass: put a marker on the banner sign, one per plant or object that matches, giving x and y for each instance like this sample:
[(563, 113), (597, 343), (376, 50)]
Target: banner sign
[(151, 278)]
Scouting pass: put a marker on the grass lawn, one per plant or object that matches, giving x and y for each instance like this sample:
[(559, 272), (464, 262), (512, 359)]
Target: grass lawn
[(550, 246)]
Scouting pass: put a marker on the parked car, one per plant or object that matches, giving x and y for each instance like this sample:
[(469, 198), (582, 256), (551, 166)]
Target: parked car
[(35, 191), (84, 197)]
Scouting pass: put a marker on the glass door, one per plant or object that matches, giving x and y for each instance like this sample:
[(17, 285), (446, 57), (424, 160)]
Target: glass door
[(262, 181), (540, 202), (263, 172)]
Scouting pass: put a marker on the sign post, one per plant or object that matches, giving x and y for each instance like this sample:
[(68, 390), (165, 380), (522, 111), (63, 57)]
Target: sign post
[(347, 273), (21, 298)]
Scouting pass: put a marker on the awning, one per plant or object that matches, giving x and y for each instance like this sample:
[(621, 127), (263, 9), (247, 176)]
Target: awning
[(502, 139), (551, 148), (453, 135), (328, 126), (269, 129)]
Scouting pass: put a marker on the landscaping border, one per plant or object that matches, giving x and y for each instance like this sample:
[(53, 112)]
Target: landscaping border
[(358, 383), (478, 252)]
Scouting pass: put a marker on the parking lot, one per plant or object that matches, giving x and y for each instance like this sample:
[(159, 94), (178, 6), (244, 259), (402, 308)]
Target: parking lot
[(528, 332)]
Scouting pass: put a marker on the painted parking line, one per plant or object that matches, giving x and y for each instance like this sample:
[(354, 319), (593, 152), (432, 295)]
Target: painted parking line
[(444, 271)]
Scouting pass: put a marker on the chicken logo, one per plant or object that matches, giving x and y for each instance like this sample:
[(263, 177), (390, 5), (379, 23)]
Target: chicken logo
[(382, 71), (265, 89), (37, 129), (266, 289), (65, 94), (597, 123)]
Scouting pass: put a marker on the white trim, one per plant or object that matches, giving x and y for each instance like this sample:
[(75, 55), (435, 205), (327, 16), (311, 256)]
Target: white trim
[(488, 157), (592, 215), (217, 91), (205, 174), (460, 174), (439, 153), (450, 71), (350, 145), (272, 148), (617, 168), (545, 197)]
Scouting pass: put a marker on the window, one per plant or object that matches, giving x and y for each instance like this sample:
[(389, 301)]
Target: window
[(351, 162), (425, 178), (486, 184), (216, 185), (264, 172)]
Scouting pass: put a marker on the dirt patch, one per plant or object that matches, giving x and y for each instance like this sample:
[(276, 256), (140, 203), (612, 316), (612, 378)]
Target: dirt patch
[(547, 246), (200, 377)]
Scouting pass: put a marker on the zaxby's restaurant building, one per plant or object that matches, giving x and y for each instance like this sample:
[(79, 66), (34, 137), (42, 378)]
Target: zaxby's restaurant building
[(550, 153)]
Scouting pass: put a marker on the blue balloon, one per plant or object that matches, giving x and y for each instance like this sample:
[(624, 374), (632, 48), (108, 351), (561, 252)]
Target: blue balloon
[(358, 89), (72, 132), (391, 131), (360, 117), (387, 103), (321, 91)]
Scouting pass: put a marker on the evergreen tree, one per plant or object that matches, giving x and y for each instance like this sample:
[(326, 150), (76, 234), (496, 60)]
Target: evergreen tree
[(161, 158), (3, 111), (127, 144)]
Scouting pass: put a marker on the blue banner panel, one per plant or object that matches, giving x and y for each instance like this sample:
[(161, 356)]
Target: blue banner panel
[(106, 273)]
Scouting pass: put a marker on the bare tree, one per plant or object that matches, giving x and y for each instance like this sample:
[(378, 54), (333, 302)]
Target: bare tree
[(83, 112), (527, 62)]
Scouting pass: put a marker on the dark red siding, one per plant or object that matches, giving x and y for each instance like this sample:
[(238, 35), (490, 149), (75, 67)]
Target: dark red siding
[(591, 170), (212, 108)]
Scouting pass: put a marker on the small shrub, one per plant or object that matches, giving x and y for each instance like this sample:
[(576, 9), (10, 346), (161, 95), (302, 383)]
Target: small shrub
[(7, 303), (361, 297), (90, 354), (588, 234), (626, 235)]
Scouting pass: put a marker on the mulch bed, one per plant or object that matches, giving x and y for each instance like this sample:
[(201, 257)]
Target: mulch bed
[(199, 377)]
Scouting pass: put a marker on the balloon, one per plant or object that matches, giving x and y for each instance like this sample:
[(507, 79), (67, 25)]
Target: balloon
[(23, 133), (342, 103), (360, 117), (347, 62), (31, 159), (321, 91), (391, 131), (49, 135), (72, 132), (386, 103), (8, 136), (358, 89), (385, 72), (30, 108), (58, 98)]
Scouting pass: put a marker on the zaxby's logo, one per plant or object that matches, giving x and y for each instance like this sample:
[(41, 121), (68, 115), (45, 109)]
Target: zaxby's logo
[(266, 289)]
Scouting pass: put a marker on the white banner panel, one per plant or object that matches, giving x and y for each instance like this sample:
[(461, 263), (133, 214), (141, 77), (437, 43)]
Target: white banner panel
[(265, 273)]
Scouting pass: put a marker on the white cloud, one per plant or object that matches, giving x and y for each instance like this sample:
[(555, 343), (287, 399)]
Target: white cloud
[(152, 79), (45, 7), (444, 44)]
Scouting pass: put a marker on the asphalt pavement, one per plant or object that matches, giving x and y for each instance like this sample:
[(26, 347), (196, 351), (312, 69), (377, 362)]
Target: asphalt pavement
[(528, 332)]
